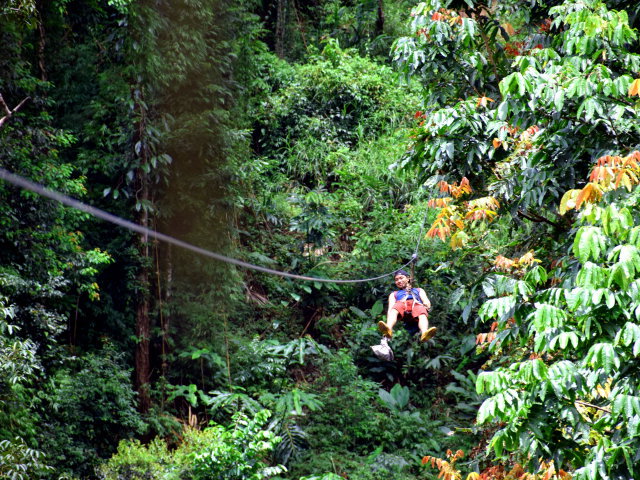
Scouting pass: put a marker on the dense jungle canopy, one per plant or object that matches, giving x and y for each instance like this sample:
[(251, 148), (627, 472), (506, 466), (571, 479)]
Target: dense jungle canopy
[(497, 140)]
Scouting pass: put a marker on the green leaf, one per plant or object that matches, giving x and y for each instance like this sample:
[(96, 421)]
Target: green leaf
[(376, 309), (530, 371), (558, 99), (360, 313), (497, 307), (603, 355), (634, 236), (562, 376), (491, 382), (628, 405), (486, 410), (546, 316), (622, 274), (503, 110), (521, 83), (536, 276), (563, 340), (631, 334), (589, 243), (592, 275), (507, 84)]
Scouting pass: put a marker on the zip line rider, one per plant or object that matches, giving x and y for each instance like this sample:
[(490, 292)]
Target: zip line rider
[(410, 304)]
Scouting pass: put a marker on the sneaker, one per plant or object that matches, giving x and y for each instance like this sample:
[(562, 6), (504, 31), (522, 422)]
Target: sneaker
[(428, 334), (384, 330)]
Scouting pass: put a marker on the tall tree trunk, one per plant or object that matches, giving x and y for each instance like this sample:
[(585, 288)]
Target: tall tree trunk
[(164, 315), (281, 22), (143, 321), (380, 19), (41, 42)]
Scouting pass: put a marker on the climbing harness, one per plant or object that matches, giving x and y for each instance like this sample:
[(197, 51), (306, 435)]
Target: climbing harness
[(96, 212)]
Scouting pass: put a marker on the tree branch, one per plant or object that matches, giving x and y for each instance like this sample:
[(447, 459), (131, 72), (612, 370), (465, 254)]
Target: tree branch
[(587, 404), (8, 110), (534, 217)]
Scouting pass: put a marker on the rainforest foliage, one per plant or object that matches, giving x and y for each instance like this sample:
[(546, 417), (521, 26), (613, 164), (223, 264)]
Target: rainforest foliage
[(495, 141)]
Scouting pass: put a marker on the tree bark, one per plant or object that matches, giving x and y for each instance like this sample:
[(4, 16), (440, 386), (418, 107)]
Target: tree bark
[(41, 42), (165, 314), (143, 321), (380, 19), (281, 21)]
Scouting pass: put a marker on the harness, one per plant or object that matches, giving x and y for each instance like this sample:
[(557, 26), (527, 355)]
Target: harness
[(406, 296)]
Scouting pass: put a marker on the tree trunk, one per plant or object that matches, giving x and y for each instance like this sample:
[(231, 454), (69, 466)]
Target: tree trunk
[(165, 314), (380, 19), (281, 22), (41, 42), (143, 321)]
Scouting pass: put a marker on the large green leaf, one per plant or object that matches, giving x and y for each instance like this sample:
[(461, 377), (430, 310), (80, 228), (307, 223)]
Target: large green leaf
[(592, 275), (497, 307), (491, 382), (628, 405), (603, 355), (546, 316), (589, 244), (563, 339)]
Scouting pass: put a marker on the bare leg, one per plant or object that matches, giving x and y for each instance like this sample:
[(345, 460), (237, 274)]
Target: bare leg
[(423, 323), (392, 318), (387, 328), (425, 332)]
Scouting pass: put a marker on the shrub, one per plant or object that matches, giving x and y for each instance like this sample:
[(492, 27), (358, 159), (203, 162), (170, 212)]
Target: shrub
[(235, 452)]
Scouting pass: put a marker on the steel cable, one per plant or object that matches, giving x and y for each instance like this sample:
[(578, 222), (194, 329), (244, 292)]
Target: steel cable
[(101, 214)]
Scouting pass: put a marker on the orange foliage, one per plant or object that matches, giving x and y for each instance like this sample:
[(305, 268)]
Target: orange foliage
[(439, 202), (453, 217), (485, 338), (521, 140), (545, 26), (484, 202), (634, 88), (454, 189), (591, 193), (515, 265), (503, 264), (513, 49), (448, 470), (440, 229), (609, 173), (482, 101)]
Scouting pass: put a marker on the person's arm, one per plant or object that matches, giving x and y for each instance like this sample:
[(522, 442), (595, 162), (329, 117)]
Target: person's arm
[(424, 298)]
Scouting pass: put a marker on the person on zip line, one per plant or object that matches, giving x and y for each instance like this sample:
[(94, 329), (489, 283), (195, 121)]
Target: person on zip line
[(411, 305)]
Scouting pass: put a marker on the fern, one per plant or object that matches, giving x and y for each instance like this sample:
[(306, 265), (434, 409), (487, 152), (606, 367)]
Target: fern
[(233, 402), (293, 440)]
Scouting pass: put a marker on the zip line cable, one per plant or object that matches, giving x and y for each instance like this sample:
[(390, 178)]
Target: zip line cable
[(414, 257), (101, 214)]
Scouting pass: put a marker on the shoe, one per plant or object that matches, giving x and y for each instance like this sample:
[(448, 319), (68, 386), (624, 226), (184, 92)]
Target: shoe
[(384, 330), (428, 334)]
